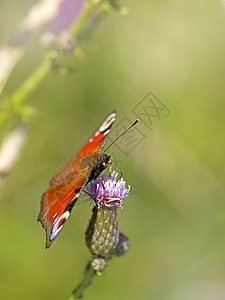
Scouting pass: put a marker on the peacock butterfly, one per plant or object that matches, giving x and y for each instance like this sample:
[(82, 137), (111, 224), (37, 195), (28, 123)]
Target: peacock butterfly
[(66, 186)]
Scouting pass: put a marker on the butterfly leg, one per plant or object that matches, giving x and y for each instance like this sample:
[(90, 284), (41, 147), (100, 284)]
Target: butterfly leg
[(89, 194)]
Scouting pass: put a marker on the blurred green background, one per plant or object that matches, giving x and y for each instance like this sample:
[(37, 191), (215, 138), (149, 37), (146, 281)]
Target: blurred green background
[(175, 215)]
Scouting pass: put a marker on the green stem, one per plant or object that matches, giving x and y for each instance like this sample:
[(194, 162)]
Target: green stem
[(21, 94), (87, 280), (83, 19), (32, 82)]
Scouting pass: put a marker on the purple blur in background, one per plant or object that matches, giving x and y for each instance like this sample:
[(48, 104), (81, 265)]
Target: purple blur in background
[(68, 12)]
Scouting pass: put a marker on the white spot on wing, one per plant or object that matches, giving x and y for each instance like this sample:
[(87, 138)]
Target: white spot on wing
[(106, 132), (56, 229), (107, 122)]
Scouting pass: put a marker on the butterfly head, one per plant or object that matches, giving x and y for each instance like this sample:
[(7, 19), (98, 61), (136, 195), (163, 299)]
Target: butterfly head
[(102, 163)]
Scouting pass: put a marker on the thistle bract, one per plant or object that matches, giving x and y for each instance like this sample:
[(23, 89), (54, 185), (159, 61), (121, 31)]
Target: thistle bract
[(102, 235)]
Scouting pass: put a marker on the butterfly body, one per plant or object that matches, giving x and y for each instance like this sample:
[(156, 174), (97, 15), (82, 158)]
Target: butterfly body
[(66, 186)]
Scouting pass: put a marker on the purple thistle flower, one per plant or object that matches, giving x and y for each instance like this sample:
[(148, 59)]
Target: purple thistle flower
[(68, 13), (113, 192)]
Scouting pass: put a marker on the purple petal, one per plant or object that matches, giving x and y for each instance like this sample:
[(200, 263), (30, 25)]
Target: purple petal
[(113, 193)]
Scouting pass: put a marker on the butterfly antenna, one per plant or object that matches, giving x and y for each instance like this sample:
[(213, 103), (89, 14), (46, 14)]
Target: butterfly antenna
[(112, 166), (121, 135)]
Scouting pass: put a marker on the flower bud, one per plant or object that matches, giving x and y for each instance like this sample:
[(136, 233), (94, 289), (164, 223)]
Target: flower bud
[(122, 246), (98, 264), (102, 235)]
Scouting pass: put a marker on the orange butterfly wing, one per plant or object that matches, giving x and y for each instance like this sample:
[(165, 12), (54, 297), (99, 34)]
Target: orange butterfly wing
[(68, 183)]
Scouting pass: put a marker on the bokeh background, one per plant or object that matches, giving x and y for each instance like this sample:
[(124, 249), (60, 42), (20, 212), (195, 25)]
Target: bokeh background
[(175, 215)]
